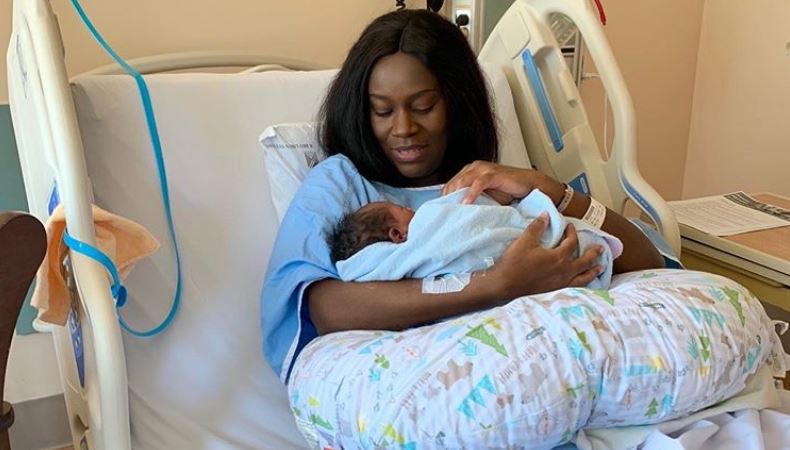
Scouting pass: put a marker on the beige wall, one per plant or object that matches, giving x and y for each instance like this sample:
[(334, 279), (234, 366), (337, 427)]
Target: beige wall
[(740, 127), (316, 30), (655, 43)]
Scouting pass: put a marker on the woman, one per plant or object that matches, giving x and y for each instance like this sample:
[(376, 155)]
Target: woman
[(410, 111)]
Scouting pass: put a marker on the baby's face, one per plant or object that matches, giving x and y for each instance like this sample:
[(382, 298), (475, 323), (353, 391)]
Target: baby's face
[(398, 230), (401, 214)]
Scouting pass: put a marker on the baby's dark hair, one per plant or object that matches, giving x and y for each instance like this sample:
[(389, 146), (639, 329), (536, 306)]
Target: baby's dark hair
[(356, 230)]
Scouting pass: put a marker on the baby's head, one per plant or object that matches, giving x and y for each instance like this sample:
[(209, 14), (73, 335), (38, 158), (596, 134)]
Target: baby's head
[(374, 222)]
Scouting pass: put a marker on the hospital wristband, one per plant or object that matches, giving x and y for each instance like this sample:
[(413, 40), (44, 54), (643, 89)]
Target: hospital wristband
[(595, 214), (566, 198)]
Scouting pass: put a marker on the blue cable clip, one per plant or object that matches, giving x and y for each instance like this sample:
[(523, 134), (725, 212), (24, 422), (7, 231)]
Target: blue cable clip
[(117, 288)]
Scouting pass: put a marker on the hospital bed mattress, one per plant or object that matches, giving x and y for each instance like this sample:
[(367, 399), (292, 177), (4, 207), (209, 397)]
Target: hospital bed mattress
[(203, 383)]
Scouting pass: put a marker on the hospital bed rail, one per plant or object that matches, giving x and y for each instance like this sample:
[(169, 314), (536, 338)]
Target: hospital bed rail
[(50, 148), (53, 165), (554, 124), (168, 62)]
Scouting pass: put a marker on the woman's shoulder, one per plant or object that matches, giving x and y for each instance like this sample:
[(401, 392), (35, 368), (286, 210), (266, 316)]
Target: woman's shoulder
[(333, 180), (332, 166), (336, 170)]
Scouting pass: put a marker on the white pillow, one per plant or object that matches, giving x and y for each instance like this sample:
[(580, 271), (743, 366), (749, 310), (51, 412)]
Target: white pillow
[(290, 150)]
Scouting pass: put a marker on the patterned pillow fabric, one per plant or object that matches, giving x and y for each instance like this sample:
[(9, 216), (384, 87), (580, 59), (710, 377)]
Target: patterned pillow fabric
[(658, 345)]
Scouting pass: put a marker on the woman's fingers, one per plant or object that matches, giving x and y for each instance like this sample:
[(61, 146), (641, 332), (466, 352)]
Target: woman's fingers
[(584, 268), (535, 230), (452, 185), (478, 178), (589, 259), (449, 187), (466, 176), (530, 238), (461, 180), (500, 197), (584, 278), (511, 183), (476, 188), (570, 241)]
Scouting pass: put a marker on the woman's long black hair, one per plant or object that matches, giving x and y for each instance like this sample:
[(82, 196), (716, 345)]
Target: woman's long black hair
[(440, 45)]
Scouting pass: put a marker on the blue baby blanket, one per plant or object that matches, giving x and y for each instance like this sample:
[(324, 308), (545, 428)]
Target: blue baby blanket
[(447, 237)]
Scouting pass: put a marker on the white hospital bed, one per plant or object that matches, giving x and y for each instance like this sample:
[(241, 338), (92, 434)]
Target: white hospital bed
[(203, 383)]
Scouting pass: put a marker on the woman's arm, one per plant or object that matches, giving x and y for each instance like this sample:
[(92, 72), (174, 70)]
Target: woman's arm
[(525, 268), (506, 184), (389, 305), (638, 252)]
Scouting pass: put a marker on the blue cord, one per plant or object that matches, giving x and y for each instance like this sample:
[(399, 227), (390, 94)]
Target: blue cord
[(118, 289), (160, 164)]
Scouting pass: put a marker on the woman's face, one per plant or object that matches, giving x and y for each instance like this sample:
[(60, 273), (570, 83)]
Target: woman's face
[(409, 116)]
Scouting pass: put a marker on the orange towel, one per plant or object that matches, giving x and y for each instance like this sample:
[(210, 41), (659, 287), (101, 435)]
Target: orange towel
[(124, 241)]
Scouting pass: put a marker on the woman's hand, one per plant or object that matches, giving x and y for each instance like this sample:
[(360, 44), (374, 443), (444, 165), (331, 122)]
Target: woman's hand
[(527, 268), (504, 184)]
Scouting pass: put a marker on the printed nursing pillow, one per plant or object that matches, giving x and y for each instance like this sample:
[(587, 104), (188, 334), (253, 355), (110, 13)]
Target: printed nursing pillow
[(658, 345)]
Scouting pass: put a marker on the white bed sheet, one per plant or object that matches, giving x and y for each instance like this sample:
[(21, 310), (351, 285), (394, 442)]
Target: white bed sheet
[(747, 429), (767, 429), (756, 419), (203, 384)]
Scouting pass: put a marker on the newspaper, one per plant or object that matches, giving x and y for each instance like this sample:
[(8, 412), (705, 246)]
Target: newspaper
[(743, 199), (725, 215)]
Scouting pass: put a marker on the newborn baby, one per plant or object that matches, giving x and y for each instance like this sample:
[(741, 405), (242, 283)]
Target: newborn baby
[(384, 241)]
